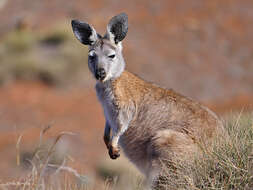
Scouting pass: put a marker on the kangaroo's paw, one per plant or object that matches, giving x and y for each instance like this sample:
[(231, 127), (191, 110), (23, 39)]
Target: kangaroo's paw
[(114, 152)]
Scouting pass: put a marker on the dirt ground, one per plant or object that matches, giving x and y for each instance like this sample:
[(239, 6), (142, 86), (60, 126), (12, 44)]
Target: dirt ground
[(26, 108)]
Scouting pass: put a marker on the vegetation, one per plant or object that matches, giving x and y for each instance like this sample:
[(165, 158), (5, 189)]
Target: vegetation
[(53, 57), (49, 170), (228, 165)]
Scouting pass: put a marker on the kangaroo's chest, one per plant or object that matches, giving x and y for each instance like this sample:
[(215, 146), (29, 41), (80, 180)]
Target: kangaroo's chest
[(107, 100)]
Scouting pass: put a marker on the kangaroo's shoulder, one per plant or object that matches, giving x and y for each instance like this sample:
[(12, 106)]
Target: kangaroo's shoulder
[(129, 88)]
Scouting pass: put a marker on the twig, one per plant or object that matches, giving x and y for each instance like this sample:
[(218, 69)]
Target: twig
[(50, 152), (18, 149)]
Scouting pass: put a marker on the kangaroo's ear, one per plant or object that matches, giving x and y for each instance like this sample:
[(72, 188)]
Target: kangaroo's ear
[(85, 33), (117, 28)]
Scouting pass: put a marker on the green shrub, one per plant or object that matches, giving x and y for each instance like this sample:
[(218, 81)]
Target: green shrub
[(19, 41), (53, 57)]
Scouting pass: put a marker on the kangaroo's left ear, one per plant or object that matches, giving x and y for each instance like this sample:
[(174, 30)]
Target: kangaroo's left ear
[(85, 33), (117, 28)]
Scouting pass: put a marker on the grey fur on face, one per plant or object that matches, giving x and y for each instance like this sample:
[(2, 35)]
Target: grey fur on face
[(108, 57)]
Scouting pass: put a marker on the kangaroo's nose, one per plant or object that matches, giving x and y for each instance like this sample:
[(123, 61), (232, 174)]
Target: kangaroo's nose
[(100, 74)]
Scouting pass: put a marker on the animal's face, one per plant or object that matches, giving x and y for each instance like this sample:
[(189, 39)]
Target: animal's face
[(105, 58)]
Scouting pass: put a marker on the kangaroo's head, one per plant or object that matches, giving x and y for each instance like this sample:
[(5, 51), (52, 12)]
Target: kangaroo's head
[(105, 59)]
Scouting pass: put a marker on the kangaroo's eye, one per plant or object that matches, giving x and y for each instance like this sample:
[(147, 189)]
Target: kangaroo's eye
[(111, 56), (92, 54), (92, 57)]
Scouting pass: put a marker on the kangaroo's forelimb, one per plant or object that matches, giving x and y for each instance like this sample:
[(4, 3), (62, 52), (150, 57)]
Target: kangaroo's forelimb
[(111, 142), (107, 134), (121, 125)]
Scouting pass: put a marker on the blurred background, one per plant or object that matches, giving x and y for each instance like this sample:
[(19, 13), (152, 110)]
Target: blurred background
[(202, 49)]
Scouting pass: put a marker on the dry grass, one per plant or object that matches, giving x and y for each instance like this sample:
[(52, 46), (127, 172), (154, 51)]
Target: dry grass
[(44, 174), (49, 172), (229, 165)]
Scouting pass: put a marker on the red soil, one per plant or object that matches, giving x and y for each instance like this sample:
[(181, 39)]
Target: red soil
[(27, 107)]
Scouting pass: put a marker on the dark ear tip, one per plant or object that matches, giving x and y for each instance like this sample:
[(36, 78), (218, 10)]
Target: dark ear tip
[(74, 22), (123, 15)]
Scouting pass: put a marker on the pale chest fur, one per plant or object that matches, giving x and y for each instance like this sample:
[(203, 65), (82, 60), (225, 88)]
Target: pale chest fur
[(117, 101), (107, 99)]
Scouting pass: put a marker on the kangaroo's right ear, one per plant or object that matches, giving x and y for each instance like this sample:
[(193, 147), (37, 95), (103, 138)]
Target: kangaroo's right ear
[(117, 28), (85, 33)]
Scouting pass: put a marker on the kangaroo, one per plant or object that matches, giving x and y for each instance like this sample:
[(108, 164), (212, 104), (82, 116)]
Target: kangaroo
[(145, 120)]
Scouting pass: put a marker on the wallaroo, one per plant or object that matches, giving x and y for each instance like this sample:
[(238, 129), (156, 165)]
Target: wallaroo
[(148, 122)]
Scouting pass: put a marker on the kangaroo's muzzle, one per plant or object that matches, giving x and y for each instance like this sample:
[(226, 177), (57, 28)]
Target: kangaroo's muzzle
[(100, 74)]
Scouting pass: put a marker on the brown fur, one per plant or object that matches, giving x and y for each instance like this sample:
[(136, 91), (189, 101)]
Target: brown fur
[(163, 121)]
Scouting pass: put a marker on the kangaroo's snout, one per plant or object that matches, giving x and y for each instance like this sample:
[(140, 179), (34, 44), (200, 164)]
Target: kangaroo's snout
[(100, 74), (96, 66)]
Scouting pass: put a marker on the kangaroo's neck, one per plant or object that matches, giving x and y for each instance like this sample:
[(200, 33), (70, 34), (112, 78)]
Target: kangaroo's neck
[(125, 89)]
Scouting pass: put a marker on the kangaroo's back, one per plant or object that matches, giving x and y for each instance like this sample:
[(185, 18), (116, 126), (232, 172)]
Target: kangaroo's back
[(157, 108)]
